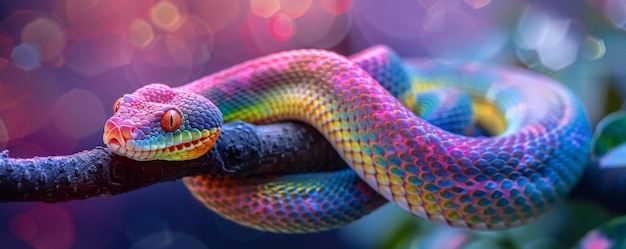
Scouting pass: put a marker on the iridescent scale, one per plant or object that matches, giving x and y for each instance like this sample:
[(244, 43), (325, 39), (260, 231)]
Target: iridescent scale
[(483, 183)]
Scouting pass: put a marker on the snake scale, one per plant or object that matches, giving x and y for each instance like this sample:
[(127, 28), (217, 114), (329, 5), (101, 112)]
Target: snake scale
[(534, 160)]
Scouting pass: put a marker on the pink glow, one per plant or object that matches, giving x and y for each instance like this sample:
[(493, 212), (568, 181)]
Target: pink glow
[(282, 27), (45, 227)]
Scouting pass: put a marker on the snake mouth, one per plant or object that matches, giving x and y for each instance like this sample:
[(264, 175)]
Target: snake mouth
[(127, 141), (117, 134)]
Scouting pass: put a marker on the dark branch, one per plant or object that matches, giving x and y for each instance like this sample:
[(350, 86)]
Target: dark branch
[(242, 149), (604, 186)]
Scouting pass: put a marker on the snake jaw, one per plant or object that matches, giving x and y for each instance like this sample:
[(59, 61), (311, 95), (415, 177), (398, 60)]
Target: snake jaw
[(126, 139), (157, 122), (119, 134)]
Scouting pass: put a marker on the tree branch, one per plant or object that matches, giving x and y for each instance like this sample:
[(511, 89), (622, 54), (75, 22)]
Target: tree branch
[(242, 149), (604, 186)]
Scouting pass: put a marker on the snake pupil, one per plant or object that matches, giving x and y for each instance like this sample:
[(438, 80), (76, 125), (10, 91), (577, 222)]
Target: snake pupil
[(170, 121)]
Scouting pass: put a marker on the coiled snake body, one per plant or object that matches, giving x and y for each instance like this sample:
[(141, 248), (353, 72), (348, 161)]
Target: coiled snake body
[(476, 182)]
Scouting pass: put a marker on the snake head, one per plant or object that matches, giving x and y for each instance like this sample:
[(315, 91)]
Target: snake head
[(157, 122)]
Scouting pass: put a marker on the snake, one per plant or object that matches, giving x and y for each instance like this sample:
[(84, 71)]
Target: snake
[(537, 152)]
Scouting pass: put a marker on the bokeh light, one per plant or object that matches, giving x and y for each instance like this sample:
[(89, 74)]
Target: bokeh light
[(427, 4), (6, 48), (166, 15), (103, 53), (295, 8), (44, 227), (114, 49), (141, 33), (477, 4), (596, 240), (336, 7), (616, 11), (558, 56), (547, 39), (614, 158), (48, 37), (25, 56), (593, 48), (88, 19), (190, 45), (70, 117), (322, 28), (596, 3), (537, 29), (14, 94), (258, 39), (173, 56), (23, 226), (26, 100), (404, 24), (64, 62), (282, 27), (479, 42), (217, 13), (264, 8)]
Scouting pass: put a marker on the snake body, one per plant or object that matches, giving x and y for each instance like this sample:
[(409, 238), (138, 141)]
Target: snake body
[(476, 182)]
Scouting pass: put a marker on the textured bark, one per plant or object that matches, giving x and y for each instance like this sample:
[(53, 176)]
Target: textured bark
[(242, 150)]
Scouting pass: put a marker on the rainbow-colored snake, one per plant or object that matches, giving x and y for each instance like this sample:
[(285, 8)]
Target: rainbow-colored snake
[(494, 182)]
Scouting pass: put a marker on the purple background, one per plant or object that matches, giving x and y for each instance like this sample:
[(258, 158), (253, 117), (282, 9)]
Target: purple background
[(64, 62)]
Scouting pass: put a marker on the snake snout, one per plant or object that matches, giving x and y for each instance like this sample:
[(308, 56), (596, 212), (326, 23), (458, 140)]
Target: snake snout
[(117, 133)]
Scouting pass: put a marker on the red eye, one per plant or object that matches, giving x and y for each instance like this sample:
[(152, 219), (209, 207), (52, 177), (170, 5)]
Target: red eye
[(116, 105), (170, 121)]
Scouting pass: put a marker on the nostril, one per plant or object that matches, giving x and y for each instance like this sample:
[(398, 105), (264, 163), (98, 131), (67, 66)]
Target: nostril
[(129, 132), (114, 136), (114, 140)]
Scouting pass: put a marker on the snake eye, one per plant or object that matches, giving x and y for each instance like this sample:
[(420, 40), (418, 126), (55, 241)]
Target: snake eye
[(116, 104), (170, 121)]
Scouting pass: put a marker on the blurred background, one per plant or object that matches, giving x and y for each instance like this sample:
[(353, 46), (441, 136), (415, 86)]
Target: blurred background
[(64, 62)]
